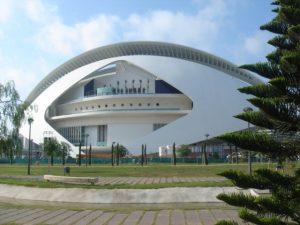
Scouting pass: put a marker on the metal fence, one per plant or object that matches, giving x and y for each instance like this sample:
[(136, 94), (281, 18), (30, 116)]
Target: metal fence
[(157, 160)]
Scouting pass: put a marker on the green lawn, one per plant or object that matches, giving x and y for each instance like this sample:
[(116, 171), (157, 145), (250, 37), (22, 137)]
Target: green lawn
[(156, 170)]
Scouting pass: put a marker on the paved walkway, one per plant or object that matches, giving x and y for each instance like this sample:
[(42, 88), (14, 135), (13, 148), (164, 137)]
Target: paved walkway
[(155, 180), (134, 180), (98, 217)]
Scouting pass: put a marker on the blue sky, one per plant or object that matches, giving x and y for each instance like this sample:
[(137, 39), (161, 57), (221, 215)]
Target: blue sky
[(36, 36)]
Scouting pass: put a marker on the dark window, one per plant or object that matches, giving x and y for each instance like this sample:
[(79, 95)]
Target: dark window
[(131, 104), (165, 88), (149, 104), (89, 88), (99, 106), (157, 104), (114, 105), (122, 104), (140, 104), (105, 106), (102, 133)]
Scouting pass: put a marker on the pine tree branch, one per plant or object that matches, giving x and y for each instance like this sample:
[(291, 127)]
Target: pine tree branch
[(262, 90), (239, 199), (226, 222), (280, 110), (257, 118), (265, 69), (261, 142), (253, 218)]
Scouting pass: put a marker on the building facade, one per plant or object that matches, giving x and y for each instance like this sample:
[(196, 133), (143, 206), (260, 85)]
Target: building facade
[(141, 93)]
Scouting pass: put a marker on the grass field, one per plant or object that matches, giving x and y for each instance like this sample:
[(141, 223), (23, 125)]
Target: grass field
[(156, 170)]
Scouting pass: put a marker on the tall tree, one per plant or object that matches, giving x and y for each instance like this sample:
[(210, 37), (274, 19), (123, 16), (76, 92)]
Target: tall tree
[(278, 116), (52, 148), (11, 115)]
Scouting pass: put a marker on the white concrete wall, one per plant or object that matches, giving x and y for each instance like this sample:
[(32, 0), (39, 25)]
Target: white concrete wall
[(123, 132), (92, 131)]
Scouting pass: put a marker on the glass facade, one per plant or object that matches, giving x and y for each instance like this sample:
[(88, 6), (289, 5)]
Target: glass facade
[(73, 134), (156, 126), (102, 135)]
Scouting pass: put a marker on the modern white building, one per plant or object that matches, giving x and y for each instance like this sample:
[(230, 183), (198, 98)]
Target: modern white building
[(140, 93)]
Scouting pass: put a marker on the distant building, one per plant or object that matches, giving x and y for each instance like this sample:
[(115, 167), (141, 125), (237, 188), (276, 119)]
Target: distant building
[(36, 151)]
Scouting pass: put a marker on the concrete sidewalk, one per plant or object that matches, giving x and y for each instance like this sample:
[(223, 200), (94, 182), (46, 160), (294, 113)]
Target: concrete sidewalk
[(98, 217), (86, 195)]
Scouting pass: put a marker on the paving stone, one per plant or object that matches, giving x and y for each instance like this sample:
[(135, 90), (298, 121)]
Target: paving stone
[(111, 180), (117, 219), (169, 180), (100, 180), (60, 217), (206, 217), (12, 213), (177, 217), (148, 218), (162, 217), (182, 179), (137, 181), (102, 219), (7, 211), (219, 214), (163, 180), (189, 179), (133, 218), (3, 211), (156, 180), (19, 216), (144, 180), (75, 217), (31, 217), (46, 217), (89, 218), (150, 180), (192, 217), (176, 180), (118, 180), (130, 180)]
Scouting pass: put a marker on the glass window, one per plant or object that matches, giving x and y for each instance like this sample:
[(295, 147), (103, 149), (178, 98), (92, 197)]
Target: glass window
[(102, 133), (156, 126)]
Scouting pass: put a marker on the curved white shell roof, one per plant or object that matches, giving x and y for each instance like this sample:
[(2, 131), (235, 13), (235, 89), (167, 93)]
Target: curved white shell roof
[(142, 48)]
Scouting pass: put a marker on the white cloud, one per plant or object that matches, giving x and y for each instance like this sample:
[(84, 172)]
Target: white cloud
[(6, 8), (172, 27), (57, 38), (252, 48), (24, 80), (256, 44), (39, 11), (98, 31), (200, 29)]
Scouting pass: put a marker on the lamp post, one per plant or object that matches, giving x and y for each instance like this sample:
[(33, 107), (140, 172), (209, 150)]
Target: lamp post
[(112, 153), (205, 153), (30, 120), (249, 109), (86, 151)]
